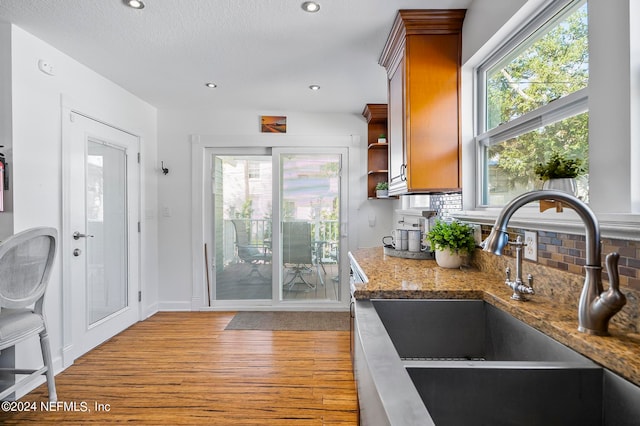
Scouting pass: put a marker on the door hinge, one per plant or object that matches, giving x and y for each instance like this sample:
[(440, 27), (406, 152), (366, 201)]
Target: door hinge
[(138, 158), (139, 227), (140, 296)]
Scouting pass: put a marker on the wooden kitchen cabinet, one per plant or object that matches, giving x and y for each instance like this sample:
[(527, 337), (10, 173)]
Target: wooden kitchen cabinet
[(377, 153), (422, 59)]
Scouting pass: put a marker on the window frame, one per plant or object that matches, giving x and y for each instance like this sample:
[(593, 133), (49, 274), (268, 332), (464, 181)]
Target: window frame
[(559, 109), (610, 101)]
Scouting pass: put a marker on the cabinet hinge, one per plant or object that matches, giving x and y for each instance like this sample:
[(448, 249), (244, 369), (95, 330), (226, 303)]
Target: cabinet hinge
[(138, 158), (140, 296), (139, 227)]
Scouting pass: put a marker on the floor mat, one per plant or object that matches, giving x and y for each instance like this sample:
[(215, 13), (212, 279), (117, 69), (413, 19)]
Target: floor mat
[(301, 321)]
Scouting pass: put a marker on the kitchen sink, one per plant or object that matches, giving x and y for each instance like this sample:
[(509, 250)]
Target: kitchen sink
[(453, 362), (465, 329), (525, 395), (518, 396)]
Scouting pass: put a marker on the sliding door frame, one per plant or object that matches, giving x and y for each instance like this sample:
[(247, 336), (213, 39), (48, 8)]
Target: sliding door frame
[(202, 148), (343, 260)]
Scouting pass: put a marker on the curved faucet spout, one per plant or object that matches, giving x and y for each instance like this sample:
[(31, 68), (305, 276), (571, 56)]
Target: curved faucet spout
[(596, 307), (498, 237)]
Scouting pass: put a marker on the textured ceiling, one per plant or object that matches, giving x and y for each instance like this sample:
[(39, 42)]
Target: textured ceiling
[(262, 54)]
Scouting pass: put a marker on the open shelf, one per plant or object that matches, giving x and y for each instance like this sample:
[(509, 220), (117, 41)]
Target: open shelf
[(377, 153)]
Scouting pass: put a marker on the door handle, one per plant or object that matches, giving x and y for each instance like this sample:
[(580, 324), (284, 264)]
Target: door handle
[(77, 235)]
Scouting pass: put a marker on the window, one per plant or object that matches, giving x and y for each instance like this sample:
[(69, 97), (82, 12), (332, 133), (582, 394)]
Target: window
[(533, 101), (253, 170)]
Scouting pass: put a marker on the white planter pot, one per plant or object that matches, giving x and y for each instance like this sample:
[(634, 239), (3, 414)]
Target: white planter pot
[(447, 259), (382, 193), (567, 185)]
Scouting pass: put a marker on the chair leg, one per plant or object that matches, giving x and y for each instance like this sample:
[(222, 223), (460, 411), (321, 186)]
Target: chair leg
[(298, 273), (46, 358)]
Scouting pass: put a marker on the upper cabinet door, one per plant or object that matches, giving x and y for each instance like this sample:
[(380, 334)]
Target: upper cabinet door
[(422, 58), (397, 160)]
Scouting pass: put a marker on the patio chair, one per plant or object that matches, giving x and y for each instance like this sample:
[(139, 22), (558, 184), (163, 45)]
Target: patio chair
[(253, 254), (26, 259), (297, 252)]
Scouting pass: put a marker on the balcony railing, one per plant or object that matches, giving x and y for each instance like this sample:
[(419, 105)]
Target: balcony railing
[(325, 232)]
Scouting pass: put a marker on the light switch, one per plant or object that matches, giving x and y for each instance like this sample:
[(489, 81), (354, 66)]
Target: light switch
[(531, 248)]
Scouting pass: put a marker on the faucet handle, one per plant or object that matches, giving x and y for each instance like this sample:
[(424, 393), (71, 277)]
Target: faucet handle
[(507, 272), (613, 297), (530, 279)]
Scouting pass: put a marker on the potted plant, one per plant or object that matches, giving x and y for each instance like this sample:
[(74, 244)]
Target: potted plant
[(560, 172), (382, 138), (382, 190), (451, 241)]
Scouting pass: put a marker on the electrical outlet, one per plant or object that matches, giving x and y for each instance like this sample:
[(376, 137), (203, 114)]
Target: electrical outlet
[(531, 248)]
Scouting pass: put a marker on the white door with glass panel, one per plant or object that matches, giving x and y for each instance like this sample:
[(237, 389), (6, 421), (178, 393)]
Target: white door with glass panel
[(275, 234), (101, 193)]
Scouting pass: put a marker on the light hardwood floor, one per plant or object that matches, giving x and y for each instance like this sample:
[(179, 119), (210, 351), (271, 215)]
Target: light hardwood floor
[(184, 368)]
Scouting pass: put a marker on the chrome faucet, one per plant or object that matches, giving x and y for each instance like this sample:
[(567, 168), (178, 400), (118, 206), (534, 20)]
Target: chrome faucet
[(596, 306), (518, 286)]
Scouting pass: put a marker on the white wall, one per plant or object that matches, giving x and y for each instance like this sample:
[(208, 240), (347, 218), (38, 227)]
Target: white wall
[(174, 148), (483, 21), (36, 120)]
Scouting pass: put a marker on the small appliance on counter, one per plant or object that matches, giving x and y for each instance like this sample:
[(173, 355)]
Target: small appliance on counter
[(407, 240)]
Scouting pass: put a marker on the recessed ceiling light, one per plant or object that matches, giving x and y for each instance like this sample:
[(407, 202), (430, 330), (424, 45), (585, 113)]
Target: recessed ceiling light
[(211, 85), (314, 87), (310, 6), (136, 4)]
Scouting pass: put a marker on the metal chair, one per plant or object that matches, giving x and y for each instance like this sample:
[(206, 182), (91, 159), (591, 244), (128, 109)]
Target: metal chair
[(26, 260), (248, 252), (297, 252)]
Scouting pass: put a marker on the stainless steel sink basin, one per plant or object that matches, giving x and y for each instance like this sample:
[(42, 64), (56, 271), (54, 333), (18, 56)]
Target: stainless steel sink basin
[(511, 396), (465, 329), (459, 362), (535, 394)]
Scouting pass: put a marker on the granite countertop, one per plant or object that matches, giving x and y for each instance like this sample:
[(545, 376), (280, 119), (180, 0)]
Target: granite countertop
[(397, 278)]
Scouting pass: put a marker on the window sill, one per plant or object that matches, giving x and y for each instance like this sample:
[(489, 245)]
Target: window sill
[(618, 226)]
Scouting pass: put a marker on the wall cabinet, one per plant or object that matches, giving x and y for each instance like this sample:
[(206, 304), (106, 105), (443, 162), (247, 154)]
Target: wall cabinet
[(422, 59), (377, 152)]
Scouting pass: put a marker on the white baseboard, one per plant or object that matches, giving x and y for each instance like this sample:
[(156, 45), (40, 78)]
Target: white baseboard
[(147, 311), (174, 306)]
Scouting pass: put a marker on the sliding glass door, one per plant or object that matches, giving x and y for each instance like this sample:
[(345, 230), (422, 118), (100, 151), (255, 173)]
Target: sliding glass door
[(275, 225), (310, 217), (242, 199)]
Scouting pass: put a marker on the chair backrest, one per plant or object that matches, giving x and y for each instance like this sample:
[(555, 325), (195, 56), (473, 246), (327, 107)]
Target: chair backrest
[(242, 235), (26, 259), (296, 242), (245, 251)]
